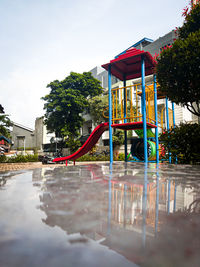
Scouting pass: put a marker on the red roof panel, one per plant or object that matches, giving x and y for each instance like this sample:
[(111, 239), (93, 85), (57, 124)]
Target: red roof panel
[(129, 64)]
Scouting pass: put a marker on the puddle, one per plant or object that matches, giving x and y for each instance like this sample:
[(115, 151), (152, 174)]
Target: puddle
[(90, 215)]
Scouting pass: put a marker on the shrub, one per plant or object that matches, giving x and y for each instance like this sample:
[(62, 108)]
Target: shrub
[(19, 158), (121, 157), (89, 157), (2, 158), (183, 142), (21, 148)]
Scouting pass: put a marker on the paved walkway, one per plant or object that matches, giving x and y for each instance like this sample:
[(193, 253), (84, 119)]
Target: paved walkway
[(24, 166), (34, 165)]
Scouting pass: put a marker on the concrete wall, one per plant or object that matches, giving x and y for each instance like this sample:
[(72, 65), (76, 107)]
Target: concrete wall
[(18, 134), (39, 132), (102, 75), (160, 43), (33, 138)]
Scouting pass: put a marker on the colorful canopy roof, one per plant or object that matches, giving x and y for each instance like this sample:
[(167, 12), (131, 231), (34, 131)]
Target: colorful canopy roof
[(129, 64), (5, 139)]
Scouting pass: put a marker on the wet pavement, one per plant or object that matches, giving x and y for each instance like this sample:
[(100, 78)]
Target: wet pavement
[(94, 215)]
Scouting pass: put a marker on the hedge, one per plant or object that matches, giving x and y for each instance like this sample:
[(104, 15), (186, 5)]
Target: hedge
[(18, 158)]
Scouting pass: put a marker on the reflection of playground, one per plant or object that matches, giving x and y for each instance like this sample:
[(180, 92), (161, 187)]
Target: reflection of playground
[(125, 210)]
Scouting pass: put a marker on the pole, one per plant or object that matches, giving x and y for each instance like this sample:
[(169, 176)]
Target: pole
[(167, 118), (24, 145), (175, 188), (125, 194), (156, 119), (167, 113), (169, 192), (144, 206), (174, 123), (125, 120), (110, 113), (109, 201), (144, 109), (157, 200)]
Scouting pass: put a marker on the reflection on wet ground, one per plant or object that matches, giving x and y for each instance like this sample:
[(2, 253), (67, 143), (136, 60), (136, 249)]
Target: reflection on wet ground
[(97, 215)]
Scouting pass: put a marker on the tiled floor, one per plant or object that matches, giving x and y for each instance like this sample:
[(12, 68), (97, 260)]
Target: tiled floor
[(22, 166)]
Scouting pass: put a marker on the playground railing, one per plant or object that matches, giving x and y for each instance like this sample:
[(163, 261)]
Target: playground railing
[(126, 105)]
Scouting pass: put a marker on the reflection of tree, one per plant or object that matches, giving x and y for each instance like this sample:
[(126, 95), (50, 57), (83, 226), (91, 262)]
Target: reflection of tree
[(194, 207), (178, 242), (3, 181), (5, 177), (66, 200)]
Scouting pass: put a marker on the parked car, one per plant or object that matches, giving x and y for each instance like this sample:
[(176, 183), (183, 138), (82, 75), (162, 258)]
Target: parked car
[(48, 158)]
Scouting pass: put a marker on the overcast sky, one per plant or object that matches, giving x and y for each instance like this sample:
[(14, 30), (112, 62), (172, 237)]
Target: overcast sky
[(43, 40)]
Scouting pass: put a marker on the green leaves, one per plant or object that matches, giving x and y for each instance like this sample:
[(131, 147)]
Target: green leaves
[(66, 101), (97, 106), (5, 123), (118, 138), (178, 68), (191, 24), (183, 142)]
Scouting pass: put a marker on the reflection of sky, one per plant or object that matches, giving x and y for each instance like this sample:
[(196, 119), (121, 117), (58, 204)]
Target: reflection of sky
[(34, 243), (79, 210)]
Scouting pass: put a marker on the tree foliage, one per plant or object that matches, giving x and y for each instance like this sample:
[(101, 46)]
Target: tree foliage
[(178, 68), (183, 141), (98, 106), (118, 138), (5, 123), (67, 100), (191, 23)]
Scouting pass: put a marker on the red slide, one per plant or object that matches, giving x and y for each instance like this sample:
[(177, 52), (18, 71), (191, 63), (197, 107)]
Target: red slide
[(88, 145)]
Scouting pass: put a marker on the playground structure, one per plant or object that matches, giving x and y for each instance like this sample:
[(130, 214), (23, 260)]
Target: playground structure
[(141, 112), (132, 107)]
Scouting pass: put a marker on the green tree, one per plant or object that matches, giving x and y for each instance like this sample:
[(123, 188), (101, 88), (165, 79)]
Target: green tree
[(66, 101), (98, 106), (178, 67), (5, 123), (191, 23)]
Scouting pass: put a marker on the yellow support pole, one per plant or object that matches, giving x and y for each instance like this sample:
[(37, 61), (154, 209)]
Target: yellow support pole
[(132, 115), (116, 104), (121, 103), (113, 116)]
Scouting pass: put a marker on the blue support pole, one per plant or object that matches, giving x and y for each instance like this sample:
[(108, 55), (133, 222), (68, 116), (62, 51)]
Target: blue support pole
[(175, 187), (169, 193), (144, 206), (110, 113), (167, 113), (109, 201), (125, 193), (156, 119), (144, 109), (157, 200), (174, 124), (125, 120), (167, 118), (173, 112)]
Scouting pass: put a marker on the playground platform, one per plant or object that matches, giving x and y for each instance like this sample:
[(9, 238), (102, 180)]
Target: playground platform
[(124, 214)]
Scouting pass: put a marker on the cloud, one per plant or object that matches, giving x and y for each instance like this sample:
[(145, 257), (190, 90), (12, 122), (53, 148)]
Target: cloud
[(44, 40)]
